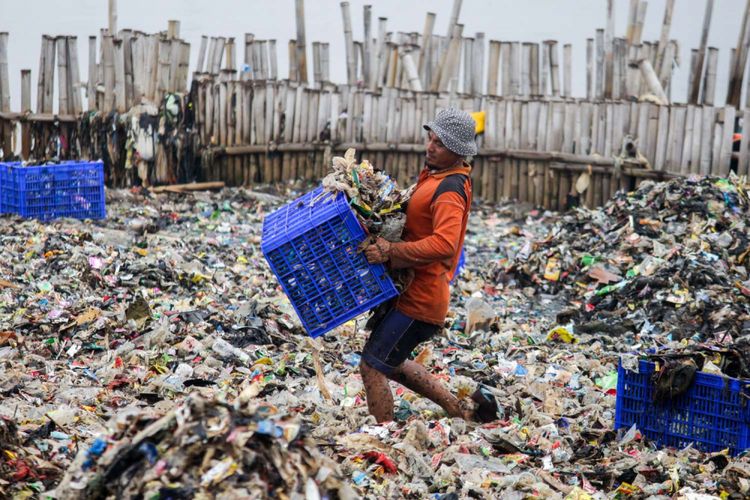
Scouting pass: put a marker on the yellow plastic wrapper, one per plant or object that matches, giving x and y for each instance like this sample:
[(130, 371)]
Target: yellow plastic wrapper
[(561, 334)]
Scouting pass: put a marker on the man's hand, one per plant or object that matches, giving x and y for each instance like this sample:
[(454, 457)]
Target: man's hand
[(378, 252)]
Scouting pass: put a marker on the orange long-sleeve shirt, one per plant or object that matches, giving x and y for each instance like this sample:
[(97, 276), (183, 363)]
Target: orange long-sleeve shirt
[(433, 238)]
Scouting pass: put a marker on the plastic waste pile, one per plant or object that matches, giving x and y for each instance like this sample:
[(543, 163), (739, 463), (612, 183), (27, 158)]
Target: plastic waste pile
[(165, 316), (203, 447), (669, 259)]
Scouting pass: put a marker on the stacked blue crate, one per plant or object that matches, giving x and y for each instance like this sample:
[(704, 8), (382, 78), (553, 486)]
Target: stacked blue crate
[(311, 245), (69, 189), (714, 414)]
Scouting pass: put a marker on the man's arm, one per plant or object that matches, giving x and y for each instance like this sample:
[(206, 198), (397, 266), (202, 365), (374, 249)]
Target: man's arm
[(447, 220)]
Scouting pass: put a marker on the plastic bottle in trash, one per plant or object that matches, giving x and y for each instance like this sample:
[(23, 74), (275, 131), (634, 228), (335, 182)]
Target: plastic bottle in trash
[(227, 350)]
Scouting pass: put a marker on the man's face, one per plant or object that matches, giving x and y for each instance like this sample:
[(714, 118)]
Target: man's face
[(437, 156)]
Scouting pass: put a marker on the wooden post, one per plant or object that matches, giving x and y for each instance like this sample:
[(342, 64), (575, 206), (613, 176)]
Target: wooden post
[(112, 16), (62, 72), (709, 83), (567, 70), (4, 78), (367, 55), (301, 43), (600, 64), (424, 51), (74, 80), (609, 38), (652, 81), (664, 37), (351, 68), (695, 83), (492, 71), (589, 69), (737, 69)]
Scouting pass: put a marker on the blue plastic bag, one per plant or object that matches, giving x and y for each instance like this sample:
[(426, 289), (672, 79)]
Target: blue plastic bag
[(460, 266)]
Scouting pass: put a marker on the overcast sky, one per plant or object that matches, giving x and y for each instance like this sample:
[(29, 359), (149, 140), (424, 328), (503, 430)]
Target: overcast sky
[(568, 21)]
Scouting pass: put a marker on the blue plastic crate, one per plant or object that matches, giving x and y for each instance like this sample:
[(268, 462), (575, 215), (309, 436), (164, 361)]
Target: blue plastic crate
[(311, 247), (69, 189), (714, 414)]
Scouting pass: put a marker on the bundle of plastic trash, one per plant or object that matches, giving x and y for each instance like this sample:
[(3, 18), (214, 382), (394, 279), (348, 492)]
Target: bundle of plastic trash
[(375, 197)]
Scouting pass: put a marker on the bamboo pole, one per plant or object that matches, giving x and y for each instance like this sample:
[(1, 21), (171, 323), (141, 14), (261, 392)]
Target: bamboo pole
[(351, 68), (492, 71), (324, 62), (478, 64), (589, 68), (301, 41), (4, 78), (112, 17), (40, 77), (468, 50), (534, 70), (737, 68), (567, 70), (367, 58), (632, 20), (202, 54), (426, 47), (273, 64), (412, 74), (506, 68), (62, 72), (515, 68), (448, 73), (127, 54), (600, 64), (652, 81), (293, 67), (609, 37), (525, 86), (664, 37), (25, 108), (49, 72), (709, 82), (695, 83), (119, 76), (229, 54), (74, 83), (554, 67)]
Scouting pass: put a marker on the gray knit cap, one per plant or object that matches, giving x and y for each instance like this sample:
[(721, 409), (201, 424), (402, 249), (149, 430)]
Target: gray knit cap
[(456, 129)]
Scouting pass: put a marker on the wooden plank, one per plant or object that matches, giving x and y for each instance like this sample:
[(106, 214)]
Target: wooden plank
[(718, 136), (567, 70), (301, 45), (120, 99), (74, 80), (609, 36), (661, 49), (554, 68), (515, 68), (589, 68), (351, 69), (661, 141), (525, 83)]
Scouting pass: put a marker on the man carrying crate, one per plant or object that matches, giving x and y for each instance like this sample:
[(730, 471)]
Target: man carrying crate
[(436, 220)]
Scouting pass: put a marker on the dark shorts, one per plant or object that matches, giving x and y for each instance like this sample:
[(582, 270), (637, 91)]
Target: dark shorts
[(393, 339)]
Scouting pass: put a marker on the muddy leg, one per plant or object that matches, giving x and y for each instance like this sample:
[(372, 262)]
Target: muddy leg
[(414, 376), (379, 397)]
